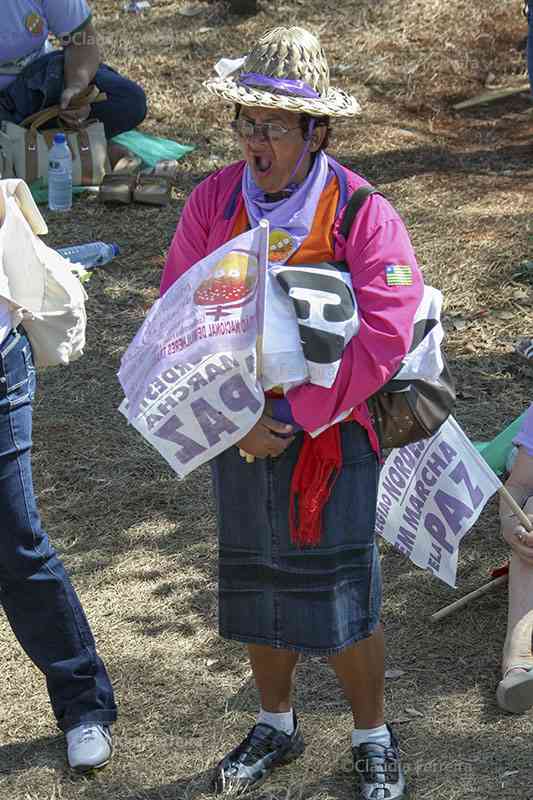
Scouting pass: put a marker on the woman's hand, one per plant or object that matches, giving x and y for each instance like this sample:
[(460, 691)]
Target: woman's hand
[(74, 117), (268, 437), (520, 486), (520, 540)]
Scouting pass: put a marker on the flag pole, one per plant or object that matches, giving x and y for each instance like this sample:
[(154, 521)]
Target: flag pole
[(495, 582)]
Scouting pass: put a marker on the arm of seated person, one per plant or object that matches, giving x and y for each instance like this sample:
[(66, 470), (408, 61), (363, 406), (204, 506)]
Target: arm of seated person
[(82, 59), (520, 486)]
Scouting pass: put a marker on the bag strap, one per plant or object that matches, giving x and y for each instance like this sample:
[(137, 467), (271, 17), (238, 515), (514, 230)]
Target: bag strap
[(355, 202), (91, 95)]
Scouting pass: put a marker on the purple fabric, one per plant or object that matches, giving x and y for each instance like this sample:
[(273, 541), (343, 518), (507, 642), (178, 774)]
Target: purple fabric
[(288, 86), (293, 214), (525, 435), (281, 411)]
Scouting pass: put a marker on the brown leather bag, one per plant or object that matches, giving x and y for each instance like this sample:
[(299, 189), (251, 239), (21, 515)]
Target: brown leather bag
[(404, 411), (29, 145), (407, 411)]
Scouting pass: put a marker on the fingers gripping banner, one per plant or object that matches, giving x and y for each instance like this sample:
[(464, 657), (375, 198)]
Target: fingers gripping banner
[(430, 494)]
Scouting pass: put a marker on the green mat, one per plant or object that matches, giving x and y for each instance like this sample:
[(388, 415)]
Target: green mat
[(496, 451), (39, 191), (151, 148)]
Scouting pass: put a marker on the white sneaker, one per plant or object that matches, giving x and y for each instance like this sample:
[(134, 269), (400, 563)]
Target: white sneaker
[(89, 746)]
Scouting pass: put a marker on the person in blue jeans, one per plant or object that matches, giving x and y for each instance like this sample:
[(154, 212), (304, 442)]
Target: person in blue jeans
[(35, 592), (33, 76)]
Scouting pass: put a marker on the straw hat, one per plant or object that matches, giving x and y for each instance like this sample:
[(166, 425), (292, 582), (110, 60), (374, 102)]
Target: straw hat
[(290, 54)]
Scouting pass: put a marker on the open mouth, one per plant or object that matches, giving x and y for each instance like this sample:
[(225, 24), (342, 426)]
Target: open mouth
[(263, 164)]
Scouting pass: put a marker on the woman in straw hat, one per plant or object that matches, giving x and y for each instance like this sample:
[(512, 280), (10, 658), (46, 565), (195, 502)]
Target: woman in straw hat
[(307, 583)]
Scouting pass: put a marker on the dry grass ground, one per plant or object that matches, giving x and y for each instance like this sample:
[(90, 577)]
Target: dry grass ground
[(141, 547)]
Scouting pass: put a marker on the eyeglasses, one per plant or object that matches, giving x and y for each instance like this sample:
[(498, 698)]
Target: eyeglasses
[(269, 131)]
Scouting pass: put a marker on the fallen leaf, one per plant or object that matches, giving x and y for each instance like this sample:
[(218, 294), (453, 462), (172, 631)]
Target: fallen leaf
[(413, 712), (210, 662), (394, 673)]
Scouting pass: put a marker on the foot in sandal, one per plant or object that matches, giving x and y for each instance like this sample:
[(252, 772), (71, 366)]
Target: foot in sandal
[(515, 691)]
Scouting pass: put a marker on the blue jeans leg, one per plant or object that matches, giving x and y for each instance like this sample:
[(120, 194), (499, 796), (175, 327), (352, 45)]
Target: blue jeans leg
[(40, 85), (125, 107), (35, 592)]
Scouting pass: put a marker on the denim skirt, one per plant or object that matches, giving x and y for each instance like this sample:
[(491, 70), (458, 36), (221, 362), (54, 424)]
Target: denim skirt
[(316, 600)]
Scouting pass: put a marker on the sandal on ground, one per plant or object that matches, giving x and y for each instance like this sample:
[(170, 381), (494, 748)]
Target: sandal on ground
[(117, 187), (515, 690), (166, 168), (152, 190)]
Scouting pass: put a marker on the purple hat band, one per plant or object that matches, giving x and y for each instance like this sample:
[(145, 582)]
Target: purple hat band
[(286, 86)]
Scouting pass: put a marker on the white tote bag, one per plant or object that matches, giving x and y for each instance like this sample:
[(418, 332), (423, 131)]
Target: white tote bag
[(36, 282)]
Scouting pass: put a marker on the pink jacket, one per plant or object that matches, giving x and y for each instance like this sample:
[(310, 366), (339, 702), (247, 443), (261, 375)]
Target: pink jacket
[(378, 239)]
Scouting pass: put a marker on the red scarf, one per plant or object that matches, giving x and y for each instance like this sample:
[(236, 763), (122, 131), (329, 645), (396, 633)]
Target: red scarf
[(314, 475)]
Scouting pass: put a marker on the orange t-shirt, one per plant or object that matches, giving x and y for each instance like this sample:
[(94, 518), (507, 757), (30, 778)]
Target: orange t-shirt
[(318, 246)]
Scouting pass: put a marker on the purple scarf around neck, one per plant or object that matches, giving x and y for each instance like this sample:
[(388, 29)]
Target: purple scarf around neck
[(291, 218)]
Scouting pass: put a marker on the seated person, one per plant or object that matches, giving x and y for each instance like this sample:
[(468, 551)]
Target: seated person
[(33, 76), (515, 690)]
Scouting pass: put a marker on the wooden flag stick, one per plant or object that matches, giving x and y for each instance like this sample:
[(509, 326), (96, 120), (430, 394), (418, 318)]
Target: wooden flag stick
[(492, 95), (463, 601), (495, 582)]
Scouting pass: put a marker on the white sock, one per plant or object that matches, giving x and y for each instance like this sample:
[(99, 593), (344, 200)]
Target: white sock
[(283, 721), (379, 735)]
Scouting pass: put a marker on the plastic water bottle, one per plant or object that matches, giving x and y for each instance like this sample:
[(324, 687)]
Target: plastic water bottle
[(60, 175), (90, 255), (136, 6)]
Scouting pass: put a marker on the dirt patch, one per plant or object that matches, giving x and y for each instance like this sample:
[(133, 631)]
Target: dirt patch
[(141, 547)]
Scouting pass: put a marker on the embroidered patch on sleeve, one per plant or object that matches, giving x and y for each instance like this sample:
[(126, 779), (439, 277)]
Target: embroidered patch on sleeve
[(399, 275)]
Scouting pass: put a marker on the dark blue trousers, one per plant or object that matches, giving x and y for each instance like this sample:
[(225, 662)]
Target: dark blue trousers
[(40, 86), (35, 592)]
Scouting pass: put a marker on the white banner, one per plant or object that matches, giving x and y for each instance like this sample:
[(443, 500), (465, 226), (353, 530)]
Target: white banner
[(193, 412), (430, 494)]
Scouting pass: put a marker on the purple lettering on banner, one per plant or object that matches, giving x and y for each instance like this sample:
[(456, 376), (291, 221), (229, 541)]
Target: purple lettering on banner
[(396, 478), (213, 371), (236, 396), (436, 528), (436, 464), (152, 420), (422, 491), (406, 539), (452, 509), (426, 476), (408, 458), (166, 405), (447, 451), (228, 363), (196, 381), (411, 517), (212, 422), (388, 485), (434, 558), (458, 474), (170, 375), (188, 448), (402, 469)]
